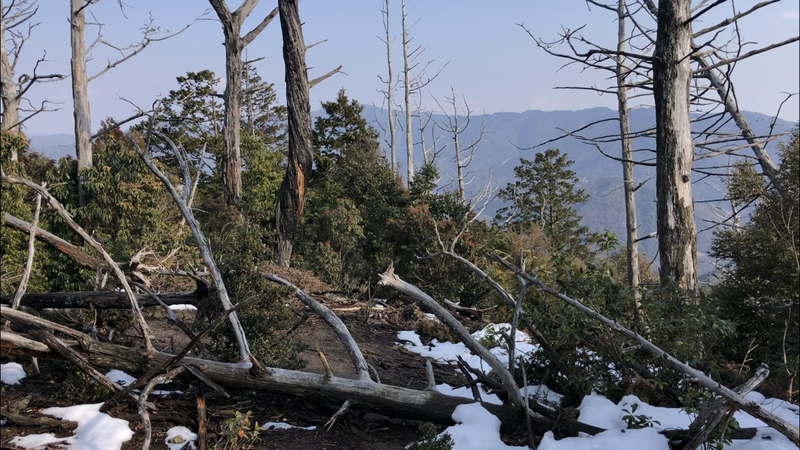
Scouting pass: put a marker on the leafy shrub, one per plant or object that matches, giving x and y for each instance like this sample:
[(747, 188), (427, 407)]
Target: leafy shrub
[(430, 441)]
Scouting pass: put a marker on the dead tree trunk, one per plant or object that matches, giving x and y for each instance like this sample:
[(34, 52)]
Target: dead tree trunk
[(631, 232), (292, 193), (9, 97), (390, 90), (407, 90), (677, 238), (231, 128), (80, 95)]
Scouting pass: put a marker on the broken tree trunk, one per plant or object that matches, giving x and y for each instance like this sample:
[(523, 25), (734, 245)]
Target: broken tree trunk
[(292, 193)]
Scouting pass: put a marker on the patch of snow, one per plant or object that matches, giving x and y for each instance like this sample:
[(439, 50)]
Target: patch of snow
[(182, 307), (95, 430), (466, 392), (120, 377), (645, 438), (284, 426), (476, 429), (177, 436), (11, 373)]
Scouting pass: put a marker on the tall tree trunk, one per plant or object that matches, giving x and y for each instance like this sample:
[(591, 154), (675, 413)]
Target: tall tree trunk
[(80, 96), (407, 85), (232, 121), (231, 125), (677, 238), (10, 98), (390, 93), (291, 195), (631, 232)]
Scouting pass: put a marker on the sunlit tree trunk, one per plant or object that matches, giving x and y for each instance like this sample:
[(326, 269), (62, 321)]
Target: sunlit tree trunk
[(291, 195), (80, 97), (677, 239)]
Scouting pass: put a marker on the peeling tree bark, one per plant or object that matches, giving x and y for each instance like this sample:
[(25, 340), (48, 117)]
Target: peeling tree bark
[(677, 236), (292, 193), (9, 95)]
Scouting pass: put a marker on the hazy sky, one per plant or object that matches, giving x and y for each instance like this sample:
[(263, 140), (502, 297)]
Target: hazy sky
[(492, 61)]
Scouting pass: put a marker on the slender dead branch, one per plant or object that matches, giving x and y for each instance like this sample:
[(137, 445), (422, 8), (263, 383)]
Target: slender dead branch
[(334, 322)]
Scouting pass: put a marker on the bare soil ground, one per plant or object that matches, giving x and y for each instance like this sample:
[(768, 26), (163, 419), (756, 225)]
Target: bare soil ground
[(376, 336)]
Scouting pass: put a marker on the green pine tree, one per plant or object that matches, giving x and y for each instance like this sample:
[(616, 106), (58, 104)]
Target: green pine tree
[(544, 192)]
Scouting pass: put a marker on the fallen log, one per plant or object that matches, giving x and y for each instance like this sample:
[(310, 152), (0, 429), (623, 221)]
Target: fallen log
[(425, 405), (103, 299)]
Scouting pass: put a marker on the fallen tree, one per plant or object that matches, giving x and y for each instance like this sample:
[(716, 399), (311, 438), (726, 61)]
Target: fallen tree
[(104, 299)]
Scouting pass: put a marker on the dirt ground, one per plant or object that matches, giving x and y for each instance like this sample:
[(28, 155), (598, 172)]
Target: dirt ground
[(377, 338)]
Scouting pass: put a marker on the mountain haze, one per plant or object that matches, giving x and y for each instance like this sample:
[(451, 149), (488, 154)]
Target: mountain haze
[(506, 137)]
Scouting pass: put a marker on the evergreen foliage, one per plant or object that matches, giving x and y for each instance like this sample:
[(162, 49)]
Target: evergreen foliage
[(545, 193), (758, 288)]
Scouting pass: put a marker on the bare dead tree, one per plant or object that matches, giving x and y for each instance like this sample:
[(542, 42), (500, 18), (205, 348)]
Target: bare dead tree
[(631, 231), (80, 79), (462, 154), (391, 85), (15, 15), (710, 58), (235, 43), (412, 84)]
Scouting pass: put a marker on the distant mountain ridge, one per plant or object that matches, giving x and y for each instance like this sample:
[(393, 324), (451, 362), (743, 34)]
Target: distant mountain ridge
[(601, 177)]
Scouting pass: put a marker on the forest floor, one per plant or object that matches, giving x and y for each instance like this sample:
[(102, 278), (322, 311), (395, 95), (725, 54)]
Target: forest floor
[(376, 336)]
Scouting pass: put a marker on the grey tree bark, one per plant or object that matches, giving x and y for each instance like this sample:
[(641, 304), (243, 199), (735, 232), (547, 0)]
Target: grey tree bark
[(80, 96), (292, 193), (407, 92), (231, 128), (677, 238), (390, 90), (631, 232), (9, 97)]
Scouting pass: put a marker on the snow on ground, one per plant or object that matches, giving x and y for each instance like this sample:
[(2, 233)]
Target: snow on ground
[(477, 429), (284, 426), (11, 373), (476, 426), (178, 436), (123, 379), (182, 306), (95, 430)]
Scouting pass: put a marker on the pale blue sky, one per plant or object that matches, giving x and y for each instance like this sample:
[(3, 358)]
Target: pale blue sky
[(492, 61)]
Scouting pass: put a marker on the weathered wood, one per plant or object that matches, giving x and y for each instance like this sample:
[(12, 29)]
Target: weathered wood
[(80, 94), (199, 237), (103, 299), (390, 279), (292, 193), (59, 244), (336, 324), (715, 411), (67, 217), (677, 235), (631, 231)]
